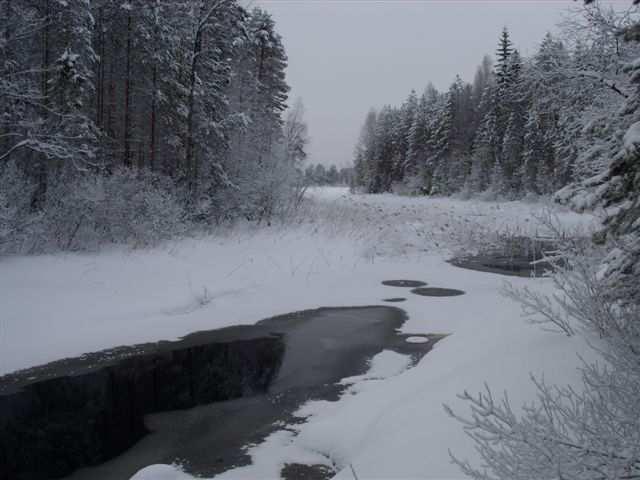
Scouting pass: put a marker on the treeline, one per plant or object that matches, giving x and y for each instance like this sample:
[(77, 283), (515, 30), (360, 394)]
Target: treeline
[(524, 126), (321, 175), (119, 113)]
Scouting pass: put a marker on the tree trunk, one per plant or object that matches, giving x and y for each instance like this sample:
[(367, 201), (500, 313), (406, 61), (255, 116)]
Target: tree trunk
[(100, 86), (5, 143), (41, 166), (152, 143), (190, 157), (154, 92), (45, 53), (112, 91), (127, 94)]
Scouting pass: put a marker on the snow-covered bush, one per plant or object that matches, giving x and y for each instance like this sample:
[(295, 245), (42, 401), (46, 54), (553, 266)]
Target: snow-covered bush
[(586, 434), (269, 189), (126, 207), (83, 212), (16, 191), (592, 432), (138, 208)]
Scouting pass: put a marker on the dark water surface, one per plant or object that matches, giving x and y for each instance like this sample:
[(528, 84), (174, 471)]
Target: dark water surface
[(437, 292), (404, 283), (320, 348), (518, 256)]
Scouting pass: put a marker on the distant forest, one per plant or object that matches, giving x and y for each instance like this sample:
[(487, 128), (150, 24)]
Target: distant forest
[(321, 175), (524, 126)]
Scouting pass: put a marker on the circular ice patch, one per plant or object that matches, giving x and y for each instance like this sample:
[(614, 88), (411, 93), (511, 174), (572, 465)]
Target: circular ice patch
[(416, 339), (437, 292), (404, 283), (394, 300)]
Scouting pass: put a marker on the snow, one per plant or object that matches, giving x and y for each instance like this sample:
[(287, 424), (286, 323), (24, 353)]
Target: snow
[(160, 472), (631, 138), (390, 423), (417, 339), (384, 365)]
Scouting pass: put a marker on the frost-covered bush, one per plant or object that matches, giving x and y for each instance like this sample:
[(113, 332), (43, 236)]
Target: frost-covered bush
[(16, 219), (126, 207), (86, 211), (267, 190), (574, 434)]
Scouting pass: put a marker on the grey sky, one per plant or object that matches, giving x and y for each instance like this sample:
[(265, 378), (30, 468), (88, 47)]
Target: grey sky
[(347, 56)]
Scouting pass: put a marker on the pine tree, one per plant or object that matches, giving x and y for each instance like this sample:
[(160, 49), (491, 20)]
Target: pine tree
[(441, 147), (503, 54), (487, 144), (512, 154), (382, 162), (70, 137), (407, 114), (364, 163), (488, 168), (271, 62), (533, 144), (517, 101), (213, 30), (418, 140)]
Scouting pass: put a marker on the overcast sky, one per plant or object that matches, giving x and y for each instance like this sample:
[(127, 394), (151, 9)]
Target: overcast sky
[(346, 56)]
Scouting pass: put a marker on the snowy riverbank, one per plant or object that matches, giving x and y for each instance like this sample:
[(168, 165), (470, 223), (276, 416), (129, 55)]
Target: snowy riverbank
[(65, 305)]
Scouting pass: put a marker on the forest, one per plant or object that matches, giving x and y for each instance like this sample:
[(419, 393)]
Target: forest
[(132, 121), (524, 127), (319, 175)]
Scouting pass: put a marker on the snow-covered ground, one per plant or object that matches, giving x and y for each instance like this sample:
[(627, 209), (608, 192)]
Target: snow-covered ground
[(391, 423)]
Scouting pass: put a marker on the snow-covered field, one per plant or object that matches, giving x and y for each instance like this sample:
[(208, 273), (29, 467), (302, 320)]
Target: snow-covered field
[(391, 423)]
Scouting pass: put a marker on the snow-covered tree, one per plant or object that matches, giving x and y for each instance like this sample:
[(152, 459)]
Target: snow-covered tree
[(503, 54), (384, 158), (365, 151), (419, 145), (295, 135), (407, 114), (486, 144), (442, 147)]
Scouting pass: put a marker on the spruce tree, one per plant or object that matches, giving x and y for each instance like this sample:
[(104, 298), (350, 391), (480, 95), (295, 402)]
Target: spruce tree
[(503, 54), (407, 116), (512, 154), (442, 146), (532, 146), (384, 156), (516, 102), (364, 165), (488, 142), (418, 143)]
